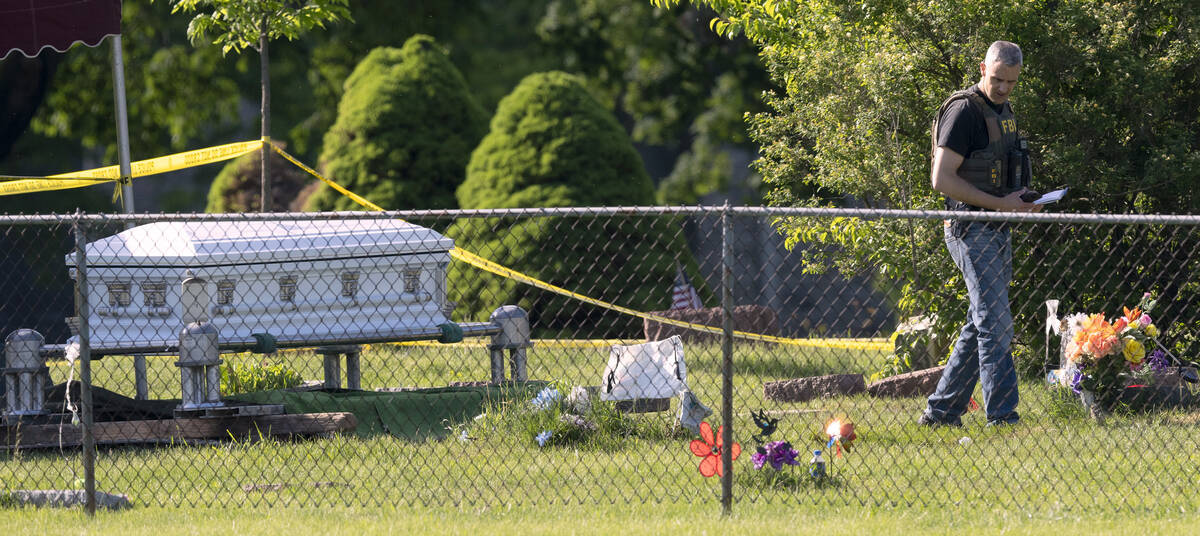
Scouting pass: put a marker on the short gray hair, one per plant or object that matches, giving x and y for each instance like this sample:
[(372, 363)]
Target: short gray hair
[(1004, 52)]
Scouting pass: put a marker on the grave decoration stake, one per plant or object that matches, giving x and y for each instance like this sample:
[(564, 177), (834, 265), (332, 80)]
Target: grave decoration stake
[(841, 435), (709, 448), (972, 405), (766, 426), (816, 466)]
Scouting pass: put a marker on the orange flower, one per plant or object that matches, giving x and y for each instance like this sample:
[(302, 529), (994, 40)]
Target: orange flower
[(1097, 338), (1132, 317), (709, 448), (1120, 325)]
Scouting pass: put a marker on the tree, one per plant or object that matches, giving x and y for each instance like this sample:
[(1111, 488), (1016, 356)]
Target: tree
[(406, 126), (552, 144), (241, 24), (492, 43), (1108, 97), (182, 92), (677, 87), (672, 82)]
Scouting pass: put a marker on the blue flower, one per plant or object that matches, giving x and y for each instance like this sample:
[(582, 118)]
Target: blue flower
[(546, 398), (543, 437)]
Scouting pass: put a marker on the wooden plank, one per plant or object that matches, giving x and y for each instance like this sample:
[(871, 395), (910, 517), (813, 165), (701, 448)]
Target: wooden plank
[(230, 411), (154, 431)]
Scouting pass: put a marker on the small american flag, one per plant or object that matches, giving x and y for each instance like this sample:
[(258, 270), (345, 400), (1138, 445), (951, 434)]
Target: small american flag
[(684, 295)]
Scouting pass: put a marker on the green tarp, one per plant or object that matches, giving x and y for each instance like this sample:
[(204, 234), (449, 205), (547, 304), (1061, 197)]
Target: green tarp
[(414, 415)]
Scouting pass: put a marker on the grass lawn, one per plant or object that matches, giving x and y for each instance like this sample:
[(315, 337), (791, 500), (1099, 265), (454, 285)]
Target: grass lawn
[(1057, 466), (603, 519)]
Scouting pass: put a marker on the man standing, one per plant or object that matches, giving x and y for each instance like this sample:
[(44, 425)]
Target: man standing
[(980, 163)]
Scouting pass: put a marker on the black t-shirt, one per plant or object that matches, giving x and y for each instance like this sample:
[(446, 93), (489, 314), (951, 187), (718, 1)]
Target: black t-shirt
[(962, 128)]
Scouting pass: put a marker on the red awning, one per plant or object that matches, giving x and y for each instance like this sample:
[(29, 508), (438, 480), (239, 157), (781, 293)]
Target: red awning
[(28, 26)]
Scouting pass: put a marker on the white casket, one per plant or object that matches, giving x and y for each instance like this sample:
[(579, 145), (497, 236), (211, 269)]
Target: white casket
[(296, 280)]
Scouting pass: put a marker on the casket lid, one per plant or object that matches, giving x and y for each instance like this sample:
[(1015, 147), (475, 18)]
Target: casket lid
[(177, 244)]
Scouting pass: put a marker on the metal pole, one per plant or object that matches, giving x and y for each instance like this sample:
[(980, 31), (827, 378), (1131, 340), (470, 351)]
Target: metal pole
[(265, 77), (140, 382), (353, 372), (85, 369), (726, 361), (125, 184)]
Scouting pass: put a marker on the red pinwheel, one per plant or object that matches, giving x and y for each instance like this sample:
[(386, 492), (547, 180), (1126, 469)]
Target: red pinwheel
[(709, 448)]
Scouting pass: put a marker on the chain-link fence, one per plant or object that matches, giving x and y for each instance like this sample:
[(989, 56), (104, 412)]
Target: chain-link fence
[(497, 357)]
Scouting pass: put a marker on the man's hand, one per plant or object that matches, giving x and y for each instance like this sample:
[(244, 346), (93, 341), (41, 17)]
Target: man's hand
[(1015, 202)]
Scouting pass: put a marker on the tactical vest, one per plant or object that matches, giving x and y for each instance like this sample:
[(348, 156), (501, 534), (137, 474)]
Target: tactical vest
[(1002, 167)]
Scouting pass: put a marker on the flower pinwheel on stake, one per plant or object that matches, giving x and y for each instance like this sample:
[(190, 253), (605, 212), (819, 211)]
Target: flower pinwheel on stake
[(709, 448), (841, 434)]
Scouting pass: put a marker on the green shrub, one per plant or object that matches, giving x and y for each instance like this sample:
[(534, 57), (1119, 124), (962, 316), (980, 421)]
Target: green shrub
[(406, 126), (238, 187), (552, 144), (1030, 365), (251, 376)]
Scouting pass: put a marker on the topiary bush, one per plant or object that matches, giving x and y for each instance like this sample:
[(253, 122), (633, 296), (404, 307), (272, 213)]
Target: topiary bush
[(552, 144), (238, 187), (406, 126)]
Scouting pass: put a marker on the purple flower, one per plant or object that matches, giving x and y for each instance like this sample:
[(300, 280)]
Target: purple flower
[(776, 453), (1076, 379), (1158, 360)]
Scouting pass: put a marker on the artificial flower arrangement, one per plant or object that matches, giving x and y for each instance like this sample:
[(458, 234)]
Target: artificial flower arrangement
[(1102, 357)]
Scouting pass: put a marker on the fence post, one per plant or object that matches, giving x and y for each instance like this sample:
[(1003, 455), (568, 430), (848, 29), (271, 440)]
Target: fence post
[(726, 361), (85, 366)]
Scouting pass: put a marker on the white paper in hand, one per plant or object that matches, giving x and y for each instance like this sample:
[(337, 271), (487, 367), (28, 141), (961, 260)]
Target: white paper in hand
[(1051, 197)]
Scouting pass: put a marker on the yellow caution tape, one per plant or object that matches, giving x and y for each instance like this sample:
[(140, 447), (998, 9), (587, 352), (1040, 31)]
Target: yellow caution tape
[(503, 271), (18, 185), (141, 168), (480, 262), (537, 343), (353, 196), (851, 344)]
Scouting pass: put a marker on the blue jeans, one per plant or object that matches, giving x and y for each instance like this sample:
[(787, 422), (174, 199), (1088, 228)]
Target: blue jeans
[(984, 256)]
